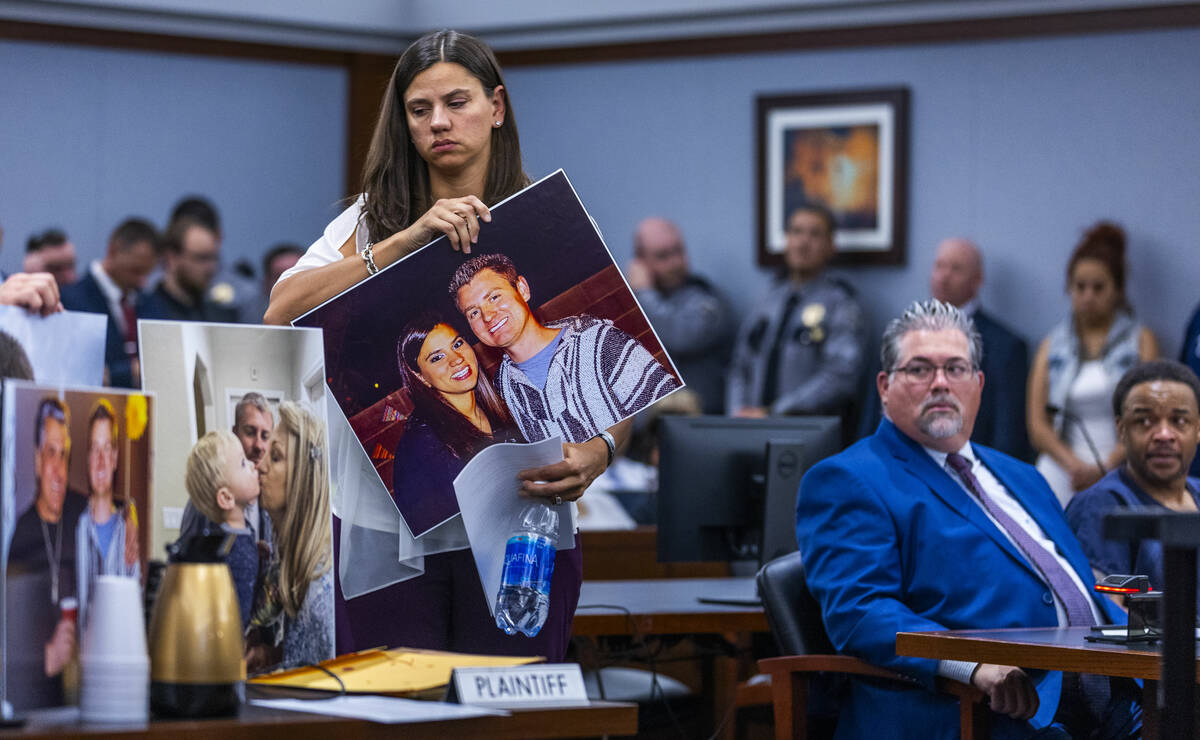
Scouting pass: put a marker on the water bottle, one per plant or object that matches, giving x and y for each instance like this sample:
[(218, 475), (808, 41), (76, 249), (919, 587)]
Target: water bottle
[(524, 598)]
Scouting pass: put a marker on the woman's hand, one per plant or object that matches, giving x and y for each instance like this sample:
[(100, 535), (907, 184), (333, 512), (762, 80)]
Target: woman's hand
[(457, 218), (582, 463)]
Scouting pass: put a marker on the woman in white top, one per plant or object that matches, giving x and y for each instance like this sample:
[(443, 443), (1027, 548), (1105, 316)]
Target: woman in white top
[(445, 147), (446, 143), (1069, 397)]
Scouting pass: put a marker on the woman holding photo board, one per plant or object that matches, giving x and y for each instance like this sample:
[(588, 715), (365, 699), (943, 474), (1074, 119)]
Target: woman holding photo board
[(444, 147)]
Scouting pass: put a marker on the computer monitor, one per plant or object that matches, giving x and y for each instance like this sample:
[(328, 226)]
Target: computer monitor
[(787, 462), (714, 482)]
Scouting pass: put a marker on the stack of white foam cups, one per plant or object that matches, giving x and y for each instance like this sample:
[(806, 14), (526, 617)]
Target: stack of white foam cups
[(114, 664)]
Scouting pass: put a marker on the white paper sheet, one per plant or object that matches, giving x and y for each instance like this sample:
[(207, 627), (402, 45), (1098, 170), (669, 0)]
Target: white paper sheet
[(65, 348), (383, 709), (487, 496)]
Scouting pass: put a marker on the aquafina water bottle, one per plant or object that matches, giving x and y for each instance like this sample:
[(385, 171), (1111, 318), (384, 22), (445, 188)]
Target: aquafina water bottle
[(524, 598)]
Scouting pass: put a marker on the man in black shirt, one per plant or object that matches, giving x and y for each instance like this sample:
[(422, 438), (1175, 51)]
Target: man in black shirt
[(43, 543)]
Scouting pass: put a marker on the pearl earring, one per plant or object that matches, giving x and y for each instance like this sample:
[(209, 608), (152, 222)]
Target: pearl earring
[(497, 124)]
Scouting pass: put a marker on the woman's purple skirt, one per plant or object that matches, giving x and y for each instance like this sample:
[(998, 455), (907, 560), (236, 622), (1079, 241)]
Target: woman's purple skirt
[(446, 609)]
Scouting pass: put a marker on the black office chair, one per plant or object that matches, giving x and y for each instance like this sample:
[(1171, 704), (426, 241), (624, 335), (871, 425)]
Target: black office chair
[(795, 620)]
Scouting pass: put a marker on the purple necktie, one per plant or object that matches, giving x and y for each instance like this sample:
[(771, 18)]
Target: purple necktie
[(1093, 690), (1079, 612)]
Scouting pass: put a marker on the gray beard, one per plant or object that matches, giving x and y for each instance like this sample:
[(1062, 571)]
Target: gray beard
[(941, 426)]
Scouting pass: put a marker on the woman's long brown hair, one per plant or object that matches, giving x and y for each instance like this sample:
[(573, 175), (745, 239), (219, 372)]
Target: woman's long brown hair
[(453, 429), (395, 178)]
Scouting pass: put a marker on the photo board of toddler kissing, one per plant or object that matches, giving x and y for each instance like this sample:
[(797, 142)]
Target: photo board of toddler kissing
[(242, 440)]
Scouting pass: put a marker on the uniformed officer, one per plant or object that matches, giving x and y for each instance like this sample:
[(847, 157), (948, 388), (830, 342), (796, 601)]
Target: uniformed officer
[(800, 351)]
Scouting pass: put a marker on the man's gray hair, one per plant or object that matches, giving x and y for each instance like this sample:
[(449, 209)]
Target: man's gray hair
[(930, 315), (255, 399)]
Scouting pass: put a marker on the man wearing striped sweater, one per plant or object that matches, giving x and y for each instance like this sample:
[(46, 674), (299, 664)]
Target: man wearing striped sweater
[(575, 377)]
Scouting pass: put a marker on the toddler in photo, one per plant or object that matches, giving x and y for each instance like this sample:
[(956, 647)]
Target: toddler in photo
[(221, 482)]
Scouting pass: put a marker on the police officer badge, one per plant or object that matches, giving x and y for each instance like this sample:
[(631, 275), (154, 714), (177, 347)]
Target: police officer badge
[(811, 316)]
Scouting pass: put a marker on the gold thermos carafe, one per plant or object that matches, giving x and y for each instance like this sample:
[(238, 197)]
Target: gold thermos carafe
[(197, 666)]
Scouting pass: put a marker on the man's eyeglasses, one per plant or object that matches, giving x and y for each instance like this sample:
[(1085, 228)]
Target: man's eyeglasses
[(923, 372)]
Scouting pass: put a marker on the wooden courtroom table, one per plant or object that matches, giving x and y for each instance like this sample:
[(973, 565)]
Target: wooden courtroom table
[(666, 606), (643, 608), (599, 718), (1047, 648)]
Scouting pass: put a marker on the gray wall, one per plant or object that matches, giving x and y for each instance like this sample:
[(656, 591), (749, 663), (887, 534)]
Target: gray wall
[(89, 136), (1019, 144)]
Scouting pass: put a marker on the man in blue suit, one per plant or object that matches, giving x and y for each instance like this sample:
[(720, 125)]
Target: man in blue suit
[(113, 286), (916, 528)]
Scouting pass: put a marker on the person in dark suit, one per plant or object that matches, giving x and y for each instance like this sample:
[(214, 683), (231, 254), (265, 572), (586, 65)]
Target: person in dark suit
[(956, 279), (193, 253), (113, 286), (917, 528)]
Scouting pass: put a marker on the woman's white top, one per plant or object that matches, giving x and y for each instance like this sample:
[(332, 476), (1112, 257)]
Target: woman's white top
[(325, 250), (1090, 399)]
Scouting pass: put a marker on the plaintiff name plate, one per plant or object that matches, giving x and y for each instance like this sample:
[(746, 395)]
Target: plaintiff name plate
[(536, 685)]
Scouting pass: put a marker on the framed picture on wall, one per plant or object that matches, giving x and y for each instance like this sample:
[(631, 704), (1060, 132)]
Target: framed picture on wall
[(846, 151)]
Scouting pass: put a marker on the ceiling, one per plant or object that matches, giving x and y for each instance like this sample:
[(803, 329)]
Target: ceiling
[(385, 26)]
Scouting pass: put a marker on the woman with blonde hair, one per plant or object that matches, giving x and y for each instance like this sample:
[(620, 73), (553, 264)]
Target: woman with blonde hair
[(294, 484)]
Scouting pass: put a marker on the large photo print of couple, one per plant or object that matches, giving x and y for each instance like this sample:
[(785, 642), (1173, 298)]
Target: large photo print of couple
[(533, 335)]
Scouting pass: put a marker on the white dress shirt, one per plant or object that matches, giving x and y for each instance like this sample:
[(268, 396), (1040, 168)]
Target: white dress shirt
[(962, 670), (112, 294)]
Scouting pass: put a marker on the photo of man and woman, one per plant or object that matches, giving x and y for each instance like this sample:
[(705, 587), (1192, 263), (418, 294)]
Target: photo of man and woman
[(243, 437), (534, 334), (75, 488)]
